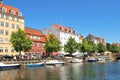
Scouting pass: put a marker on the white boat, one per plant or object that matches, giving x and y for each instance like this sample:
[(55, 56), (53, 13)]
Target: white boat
[(101, 59), (54, 62), (76, 60), (9, 66), (92, 59)]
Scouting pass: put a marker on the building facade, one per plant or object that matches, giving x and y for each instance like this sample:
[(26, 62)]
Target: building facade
[(63, 34), (11, 19), (95, 39), (38, 43)]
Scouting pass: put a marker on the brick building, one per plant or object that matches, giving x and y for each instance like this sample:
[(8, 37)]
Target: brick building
[(38, 39)]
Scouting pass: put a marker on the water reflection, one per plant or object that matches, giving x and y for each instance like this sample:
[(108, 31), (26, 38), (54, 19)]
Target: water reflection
[(78, 71)]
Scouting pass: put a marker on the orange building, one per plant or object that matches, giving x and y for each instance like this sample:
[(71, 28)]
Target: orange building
[(38, 39)]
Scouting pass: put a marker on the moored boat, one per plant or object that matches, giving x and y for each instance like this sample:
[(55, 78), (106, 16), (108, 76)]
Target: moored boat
[(35, 64), (54, 62), (101, 59), (92, 59), (76, 60), (9, 66)]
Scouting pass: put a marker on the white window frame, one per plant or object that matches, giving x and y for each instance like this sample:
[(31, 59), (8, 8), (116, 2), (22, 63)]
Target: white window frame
[(1, 32), (1, 40), (4, 9), (1, 49), (6, 49), (12, 12), (19, 13)]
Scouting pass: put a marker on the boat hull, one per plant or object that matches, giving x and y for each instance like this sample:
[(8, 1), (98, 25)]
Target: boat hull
[(10, 67), (54, 62), (92, 60), (35, 65)]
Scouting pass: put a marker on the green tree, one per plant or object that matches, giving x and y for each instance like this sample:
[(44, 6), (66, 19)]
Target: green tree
[(92, 48), (52, 44), (20, 42), (71, 46), (115, 49), (109, 46), (84, 45), (79, 47), (101, 48)]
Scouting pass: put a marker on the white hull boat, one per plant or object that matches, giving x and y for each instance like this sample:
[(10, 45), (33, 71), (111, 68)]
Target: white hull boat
[(54, 62), (9, 66), (76, 60)]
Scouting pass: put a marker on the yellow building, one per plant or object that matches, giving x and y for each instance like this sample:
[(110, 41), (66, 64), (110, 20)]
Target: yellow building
[(10, 20)]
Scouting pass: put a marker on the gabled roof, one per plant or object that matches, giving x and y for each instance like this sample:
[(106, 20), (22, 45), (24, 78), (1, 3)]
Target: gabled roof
[(30, 31), (9, 8), (33, 31), (64, 29)]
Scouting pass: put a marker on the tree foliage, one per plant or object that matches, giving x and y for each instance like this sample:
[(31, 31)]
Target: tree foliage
[(87, 46), (52, 44), (20, 42), (115, 49), (71, 46), (101, 48)]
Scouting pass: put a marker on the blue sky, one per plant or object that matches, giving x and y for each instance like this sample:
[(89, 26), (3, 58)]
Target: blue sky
[(98, 17)]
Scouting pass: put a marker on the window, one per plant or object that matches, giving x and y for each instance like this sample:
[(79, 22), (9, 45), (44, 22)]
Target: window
[(12, 50), (13, 18), (7, 24), (38, 37), (7, 17), (31, 36), (35, 37), (12, 12), (17, 19), (19, 13), (13, 26), (4, 9), (39, 44), (1, 40), (32, 43), (6, 32), (6, 49), (2, 23), (6, 40), (2, 16), (1, 49), (1, 32), (17, 26)]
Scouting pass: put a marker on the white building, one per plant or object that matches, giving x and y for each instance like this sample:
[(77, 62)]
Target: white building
[(63, 34)]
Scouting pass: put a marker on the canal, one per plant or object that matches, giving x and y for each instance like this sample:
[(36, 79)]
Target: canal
[(73, 71)]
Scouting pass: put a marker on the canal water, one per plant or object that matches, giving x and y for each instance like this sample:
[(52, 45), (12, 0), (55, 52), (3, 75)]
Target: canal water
[(73, 71)]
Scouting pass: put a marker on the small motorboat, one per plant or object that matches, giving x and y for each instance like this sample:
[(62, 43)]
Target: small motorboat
[(35, 64), (101, 59), (92, 59), (9, 66), (76, 60), (54, 62)]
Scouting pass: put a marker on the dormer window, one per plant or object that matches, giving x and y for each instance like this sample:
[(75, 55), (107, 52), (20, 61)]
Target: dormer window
[(4, 9), (19, 13), (12, 12)]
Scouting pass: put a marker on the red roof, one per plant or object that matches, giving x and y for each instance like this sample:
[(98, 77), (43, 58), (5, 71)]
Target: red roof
[(63, 28), (9, 8), (30, 31)]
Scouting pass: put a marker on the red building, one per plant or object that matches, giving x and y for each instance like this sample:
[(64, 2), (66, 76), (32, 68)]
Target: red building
[(38, 43)]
